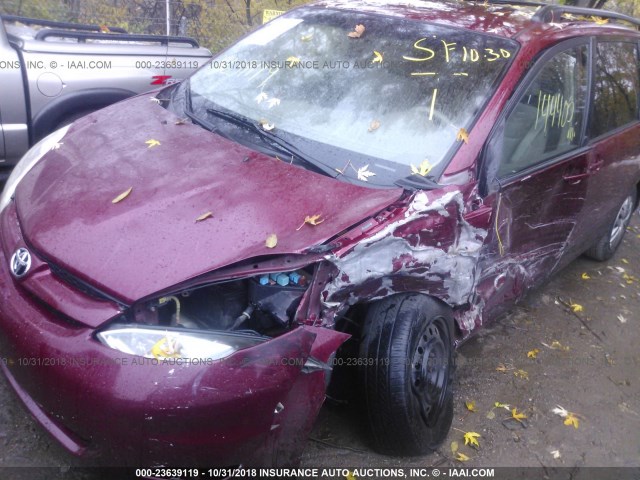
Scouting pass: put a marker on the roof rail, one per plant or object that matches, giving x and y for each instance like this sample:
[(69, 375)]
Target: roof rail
[(54, 24), (121, 37), (548, 13)]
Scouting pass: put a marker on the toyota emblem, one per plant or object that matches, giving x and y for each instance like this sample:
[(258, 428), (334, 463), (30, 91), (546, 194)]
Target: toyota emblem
[(20, 262)]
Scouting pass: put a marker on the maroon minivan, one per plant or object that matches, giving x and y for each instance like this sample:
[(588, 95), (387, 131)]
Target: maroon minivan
[(179, 270)]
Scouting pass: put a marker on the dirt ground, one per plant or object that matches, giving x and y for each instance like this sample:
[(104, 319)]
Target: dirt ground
[(586, 362)]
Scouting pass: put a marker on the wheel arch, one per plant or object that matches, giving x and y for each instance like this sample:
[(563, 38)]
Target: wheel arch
[(85, 100)]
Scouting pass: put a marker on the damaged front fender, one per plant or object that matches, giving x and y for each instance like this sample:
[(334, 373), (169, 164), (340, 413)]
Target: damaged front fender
[(425, 246)]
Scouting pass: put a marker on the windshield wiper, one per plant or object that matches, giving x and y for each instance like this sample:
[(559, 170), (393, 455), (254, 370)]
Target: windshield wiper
[(274, 141), (417, 182)]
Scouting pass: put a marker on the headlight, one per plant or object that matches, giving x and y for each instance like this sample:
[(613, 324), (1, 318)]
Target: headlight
[(161, 343), (28, 161)]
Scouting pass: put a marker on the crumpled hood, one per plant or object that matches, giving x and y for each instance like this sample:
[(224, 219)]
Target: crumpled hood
[(150, 240)]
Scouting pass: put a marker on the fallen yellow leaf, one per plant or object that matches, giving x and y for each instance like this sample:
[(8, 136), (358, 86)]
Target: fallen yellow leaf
[(204, 216), (599, 20), (272, 241), (624, 260), (454, 446), (571, 419), (378, 57), (311, 220), (470, 438), (585, 276), (557, 345), (350, 475), (491, 415), (533, 353), (461, 457), (462, 136), (521, 374), (122, 196), (357, 32), (506, 406), (517, 416), (576, 307), (152, 143), (501, 368), (423, 169), (471, 406)]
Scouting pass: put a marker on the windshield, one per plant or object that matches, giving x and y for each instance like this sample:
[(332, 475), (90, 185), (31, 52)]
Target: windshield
[(373, 98)]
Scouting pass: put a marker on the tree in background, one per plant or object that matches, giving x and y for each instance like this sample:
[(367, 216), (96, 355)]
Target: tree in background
[(214, 23)]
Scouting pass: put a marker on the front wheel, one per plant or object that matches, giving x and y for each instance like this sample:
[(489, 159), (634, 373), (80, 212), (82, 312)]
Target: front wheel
[(407, 352), (606, 246)]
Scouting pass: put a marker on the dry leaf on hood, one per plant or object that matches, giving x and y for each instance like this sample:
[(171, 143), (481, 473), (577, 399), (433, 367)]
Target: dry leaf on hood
[(122, 196), (204, 216), (312, 220), (378, 57), (152, 143), (271, 241)]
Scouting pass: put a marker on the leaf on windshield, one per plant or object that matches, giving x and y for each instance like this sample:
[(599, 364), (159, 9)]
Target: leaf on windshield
[(204, 216), (262, 96), (378, 57), (266, 125), (152, 143), (122, 196), (312, 220), (292, 61), (271, 241), (357, 32), (462, 136), (344, 169), (599, 20), (364, 173), (423, 169), (373, 126), (306, 38), (273, 102)]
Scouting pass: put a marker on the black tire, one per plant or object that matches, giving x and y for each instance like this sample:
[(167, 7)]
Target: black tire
[(606, 246), (409, 401)]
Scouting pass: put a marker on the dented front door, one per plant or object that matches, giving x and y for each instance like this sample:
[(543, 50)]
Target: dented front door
[(539, 181)]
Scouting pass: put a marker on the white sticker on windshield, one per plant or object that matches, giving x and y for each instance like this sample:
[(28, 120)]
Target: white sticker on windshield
[(271, 31)]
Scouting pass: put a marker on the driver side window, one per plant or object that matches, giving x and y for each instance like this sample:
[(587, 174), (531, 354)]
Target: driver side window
[(547, 120)]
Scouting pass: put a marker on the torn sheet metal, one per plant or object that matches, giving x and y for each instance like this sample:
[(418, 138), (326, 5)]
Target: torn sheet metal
[(429, 248)]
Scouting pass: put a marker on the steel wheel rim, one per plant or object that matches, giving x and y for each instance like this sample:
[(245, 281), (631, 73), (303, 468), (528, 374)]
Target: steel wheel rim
[(430, 370), (621, 222)]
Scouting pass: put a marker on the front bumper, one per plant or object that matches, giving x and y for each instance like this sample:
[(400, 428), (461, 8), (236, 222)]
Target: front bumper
[(254, 408)]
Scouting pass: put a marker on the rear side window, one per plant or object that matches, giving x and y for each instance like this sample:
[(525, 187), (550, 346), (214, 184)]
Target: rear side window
[(616, 87), (547, 120)]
